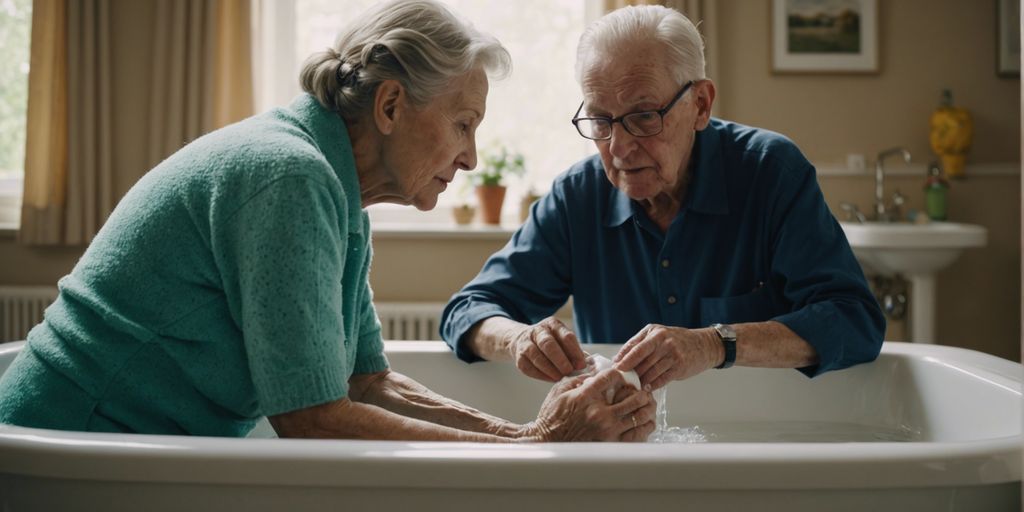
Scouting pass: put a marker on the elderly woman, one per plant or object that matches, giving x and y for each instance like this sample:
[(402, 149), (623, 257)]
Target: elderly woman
[(231, 281), (699, 243)]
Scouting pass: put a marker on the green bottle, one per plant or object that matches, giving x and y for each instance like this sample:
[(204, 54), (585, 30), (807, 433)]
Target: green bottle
[(935, 188)]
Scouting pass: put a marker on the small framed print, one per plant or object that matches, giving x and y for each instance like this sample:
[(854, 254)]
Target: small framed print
[(1008, 38), (825, 36)]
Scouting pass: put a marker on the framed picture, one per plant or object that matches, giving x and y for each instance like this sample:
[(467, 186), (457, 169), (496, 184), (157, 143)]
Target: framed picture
[(825, 36), (1008, 33)]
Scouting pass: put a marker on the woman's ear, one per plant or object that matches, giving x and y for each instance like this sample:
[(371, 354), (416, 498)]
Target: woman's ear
[(387, 105), (705, 97)]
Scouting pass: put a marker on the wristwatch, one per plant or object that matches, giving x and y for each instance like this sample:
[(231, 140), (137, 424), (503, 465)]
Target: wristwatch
[(728, 336)]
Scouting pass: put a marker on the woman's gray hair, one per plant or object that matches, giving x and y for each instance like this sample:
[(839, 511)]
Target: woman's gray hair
[(419, 43), (627, 26)]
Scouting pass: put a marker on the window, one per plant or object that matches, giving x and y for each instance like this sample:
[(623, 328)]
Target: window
[(15, 27), (528, 112)]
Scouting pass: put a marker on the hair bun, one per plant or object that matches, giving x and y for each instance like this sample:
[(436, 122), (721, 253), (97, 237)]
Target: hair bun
[(347, 74)]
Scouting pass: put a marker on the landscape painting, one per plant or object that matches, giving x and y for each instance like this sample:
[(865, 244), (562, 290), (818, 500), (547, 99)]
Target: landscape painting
[(825, 36)]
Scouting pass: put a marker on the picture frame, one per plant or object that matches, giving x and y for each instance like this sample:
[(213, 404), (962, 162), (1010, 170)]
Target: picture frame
[(824, 36), (1008, 38)]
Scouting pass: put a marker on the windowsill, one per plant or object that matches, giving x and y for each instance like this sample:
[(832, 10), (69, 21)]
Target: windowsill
[(415, 230), (392, 222)]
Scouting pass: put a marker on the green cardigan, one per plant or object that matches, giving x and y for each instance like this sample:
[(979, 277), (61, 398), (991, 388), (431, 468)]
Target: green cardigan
[(229, 284)]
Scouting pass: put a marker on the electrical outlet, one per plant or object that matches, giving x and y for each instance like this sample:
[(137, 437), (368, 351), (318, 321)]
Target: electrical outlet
[(856, 163)]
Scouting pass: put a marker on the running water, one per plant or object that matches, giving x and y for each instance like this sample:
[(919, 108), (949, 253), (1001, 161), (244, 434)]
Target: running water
[(666, 434)]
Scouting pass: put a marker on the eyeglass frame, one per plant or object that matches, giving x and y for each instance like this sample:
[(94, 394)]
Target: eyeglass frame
[(612, 120)]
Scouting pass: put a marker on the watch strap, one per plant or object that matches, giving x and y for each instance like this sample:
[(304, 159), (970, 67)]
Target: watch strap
[(728, 337)]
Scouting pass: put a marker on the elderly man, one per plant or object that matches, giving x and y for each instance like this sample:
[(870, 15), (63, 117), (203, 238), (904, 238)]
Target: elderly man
[(699, 243)]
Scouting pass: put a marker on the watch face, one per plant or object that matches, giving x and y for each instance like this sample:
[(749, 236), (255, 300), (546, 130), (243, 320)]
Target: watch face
[(725, 331)]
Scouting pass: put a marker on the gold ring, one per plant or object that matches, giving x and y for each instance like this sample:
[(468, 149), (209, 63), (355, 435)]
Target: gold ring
[(633, 417)]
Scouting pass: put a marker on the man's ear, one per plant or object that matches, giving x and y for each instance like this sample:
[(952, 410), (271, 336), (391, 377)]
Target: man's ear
[(387, 105), (705, 97)]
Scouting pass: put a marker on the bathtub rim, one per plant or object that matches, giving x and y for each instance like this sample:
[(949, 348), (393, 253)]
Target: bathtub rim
[(318, 463), (304, 463)]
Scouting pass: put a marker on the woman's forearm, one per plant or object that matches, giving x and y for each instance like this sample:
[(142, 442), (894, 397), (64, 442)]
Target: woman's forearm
[(345, 419), (406, 397)]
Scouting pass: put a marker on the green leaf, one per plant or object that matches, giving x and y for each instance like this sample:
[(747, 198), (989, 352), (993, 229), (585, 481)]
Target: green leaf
[(496, 165)]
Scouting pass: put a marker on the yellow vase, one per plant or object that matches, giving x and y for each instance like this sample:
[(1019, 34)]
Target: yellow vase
[(950, 132)]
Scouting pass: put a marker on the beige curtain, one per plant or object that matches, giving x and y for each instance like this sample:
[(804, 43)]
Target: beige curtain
[(202, 71), (46, 148), (198, 77), (701, 12), (233, 70)]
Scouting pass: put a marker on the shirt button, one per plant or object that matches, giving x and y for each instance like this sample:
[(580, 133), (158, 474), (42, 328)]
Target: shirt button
[(664, 263), (671, 299)]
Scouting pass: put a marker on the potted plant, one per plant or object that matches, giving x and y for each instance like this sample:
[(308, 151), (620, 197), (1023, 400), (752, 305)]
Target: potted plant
[(489, 180), (463, 211)]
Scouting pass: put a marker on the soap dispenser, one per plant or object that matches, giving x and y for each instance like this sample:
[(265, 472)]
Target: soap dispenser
[(935, 191)]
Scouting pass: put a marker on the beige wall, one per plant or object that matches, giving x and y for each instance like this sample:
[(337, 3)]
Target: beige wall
[(925, 46)]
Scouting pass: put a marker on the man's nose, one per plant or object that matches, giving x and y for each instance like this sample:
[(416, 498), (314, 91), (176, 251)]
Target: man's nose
[(622, 142)]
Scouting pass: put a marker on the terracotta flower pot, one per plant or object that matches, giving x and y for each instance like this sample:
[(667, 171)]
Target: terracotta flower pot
[(491, 198)]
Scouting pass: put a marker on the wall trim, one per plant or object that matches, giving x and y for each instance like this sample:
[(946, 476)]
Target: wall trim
[(988, 169)]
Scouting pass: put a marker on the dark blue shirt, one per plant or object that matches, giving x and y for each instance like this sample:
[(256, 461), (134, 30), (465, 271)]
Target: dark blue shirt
[(753, 241)]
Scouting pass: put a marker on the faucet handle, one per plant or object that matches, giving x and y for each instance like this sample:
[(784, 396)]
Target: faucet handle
[(853, 213), (896, 210)]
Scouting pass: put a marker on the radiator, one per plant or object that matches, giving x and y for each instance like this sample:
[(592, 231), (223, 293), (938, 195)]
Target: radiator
[(21, 308), (409, 320)]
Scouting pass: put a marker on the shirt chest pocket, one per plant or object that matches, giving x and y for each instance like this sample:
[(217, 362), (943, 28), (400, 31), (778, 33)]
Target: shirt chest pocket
[(756, 306)]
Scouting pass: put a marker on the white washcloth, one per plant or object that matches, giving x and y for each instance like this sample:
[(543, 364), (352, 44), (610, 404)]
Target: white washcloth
[(598, 363)]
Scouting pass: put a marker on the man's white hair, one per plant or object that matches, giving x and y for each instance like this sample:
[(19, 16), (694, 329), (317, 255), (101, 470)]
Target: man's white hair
[(625, 27)]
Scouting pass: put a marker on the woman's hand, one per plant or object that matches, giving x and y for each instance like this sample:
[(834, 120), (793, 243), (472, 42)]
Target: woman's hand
[(578, 410), (547, 350), (661, 354)]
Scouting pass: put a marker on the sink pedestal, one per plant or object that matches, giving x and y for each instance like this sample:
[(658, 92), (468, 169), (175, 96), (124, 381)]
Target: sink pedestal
[(922, 308), (916, 252)]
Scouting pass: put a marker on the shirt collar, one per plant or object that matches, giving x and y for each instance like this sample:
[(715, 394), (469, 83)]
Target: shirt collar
[(330, 135), (708, 193)]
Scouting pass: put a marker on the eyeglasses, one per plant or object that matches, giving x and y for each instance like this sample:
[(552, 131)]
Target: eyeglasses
[(638, 124)]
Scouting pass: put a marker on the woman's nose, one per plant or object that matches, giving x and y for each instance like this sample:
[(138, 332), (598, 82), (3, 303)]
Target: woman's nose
[(467, 159)]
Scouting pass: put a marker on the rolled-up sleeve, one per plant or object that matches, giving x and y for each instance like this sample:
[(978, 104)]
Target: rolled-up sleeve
[(281, 281), (833, 309)]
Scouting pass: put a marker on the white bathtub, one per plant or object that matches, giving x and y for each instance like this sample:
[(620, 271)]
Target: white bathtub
[(964, 408)]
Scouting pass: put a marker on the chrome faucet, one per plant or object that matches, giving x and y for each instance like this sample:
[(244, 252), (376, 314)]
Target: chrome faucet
[(882, 213)]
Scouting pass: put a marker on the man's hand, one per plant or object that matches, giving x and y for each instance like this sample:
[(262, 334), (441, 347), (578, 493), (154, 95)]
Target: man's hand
[(547, 350), (661, 354), (577, 409)]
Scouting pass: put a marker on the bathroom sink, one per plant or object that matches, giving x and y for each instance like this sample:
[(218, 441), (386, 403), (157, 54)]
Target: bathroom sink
[(917, 252), (903, 248)]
